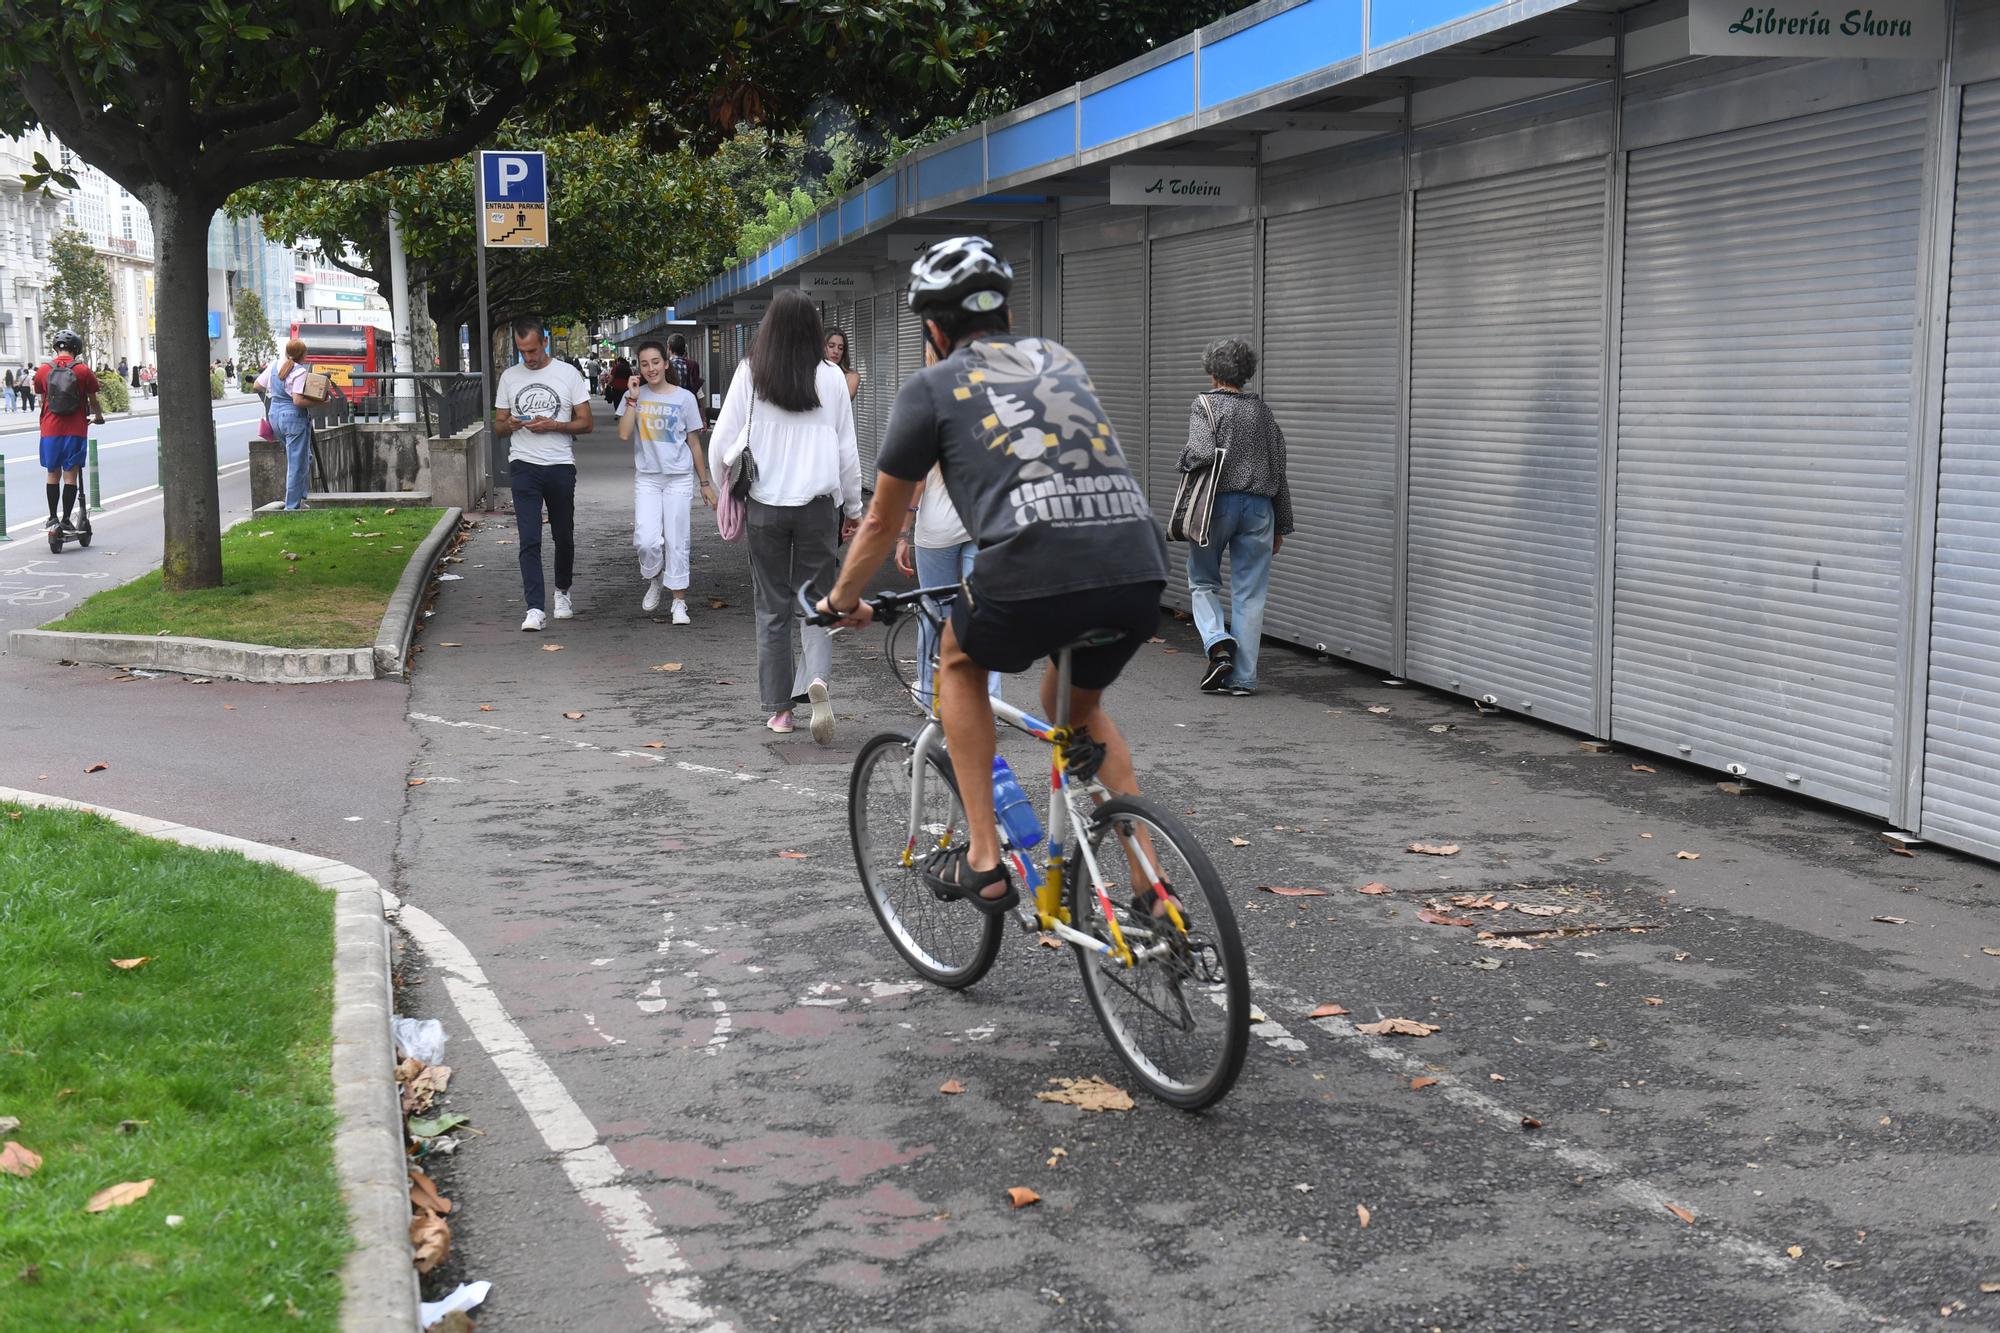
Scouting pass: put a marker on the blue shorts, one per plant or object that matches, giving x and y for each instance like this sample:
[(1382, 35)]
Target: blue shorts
[(64, 453)]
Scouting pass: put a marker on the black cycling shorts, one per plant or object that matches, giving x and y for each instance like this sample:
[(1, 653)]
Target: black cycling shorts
[(1011, 636)]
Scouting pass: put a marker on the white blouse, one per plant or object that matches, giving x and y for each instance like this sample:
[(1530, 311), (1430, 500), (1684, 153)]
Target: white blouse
[(800, 455)]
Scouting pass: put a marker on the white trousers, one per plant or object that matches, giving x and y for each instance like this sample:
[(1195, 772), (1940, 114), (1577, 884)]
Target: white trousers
[(662, 523)]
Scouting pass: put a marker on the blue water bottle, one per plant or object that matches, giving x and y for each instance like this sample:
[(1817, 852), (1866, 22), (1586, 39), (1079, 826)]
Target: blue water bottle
[(1017, 817)]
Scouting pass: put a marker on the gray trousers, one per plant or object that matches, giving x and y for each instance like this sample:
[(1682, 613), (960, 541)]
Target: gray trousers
[(790, 545)]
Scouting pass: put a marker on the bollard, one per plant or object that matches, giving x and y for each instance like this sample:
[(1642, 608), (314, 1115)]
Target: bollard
[(159, 465), (96, 488), (3, 501)]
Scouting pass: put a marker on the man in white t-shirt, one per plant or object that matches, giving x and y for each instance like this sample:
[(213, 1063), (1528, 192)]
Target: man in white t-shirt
[(541, 404)]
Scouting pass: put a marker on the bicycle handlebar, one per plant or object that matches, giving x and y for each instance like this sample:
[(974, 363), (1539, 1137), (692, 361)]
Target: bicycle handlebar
[(888, 605)]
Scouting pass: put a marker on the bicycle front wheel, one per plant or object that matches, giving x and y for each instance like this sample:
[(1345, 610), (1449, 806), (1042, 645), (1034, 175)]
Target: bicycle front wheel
[(947, 941), (1179, 1017)]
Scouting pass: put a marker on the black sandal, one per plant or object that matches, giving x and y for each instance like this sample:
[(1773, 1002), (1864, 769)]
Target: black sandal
[(1149, 905), (949, 876)]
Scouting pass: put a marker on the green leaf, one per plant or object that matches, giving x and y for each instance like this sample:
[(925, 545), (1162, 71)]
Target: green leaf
[(430, 1129)]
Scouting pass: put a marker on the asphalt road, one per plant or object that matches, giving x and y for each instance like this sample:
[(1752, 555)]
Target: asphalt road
[(716, 1092)]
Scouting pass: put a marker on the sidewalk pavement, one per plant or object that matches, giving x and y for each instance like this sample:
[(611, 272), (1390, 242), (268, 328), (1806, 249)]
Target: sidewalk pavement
[(709, 1091)]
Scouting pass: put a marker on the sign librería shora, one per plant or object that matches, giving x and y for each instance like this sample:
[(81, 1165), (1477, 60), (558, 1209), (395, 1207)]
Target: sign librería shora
[(1907, 29)]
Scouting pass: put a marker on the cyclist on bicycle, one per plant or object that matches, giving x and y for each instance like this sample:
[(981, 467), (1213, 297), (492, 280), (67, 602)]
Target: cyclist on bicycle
[(1067, 541)]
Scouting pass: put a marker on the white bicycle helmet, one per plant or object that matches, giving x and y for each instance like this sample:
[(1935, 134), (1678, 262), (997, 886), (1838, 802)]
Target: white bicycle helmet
[(962, 273)]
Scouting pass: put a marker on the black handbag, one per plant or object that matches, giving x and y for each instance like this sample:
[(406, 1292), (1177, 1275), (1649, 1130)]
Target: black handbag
[(743, 472), (1193, 514)]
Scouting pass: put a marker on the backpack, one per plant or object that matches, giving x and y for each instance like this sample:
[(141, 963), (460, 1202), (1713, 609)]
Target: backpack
[(62, 396), (688, 375)]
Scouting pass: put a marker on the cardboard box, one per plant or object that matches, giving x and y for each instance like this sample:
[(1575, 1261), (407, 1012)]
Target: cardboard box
[(318, 387)]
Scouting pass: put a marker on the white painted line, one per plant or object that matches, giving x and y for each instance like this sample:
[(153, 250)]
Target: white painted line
[(649, 1255), (1648, 1198)]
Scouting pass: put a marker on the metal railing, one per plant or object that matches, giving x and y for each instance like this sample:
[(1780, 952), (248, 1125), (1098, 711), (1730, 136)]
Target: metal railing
[(446, 402)]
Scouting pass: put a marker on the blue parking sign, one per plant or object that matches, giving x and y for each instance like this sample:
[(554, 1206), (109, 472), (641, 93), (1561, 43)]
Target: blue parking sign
[(513, 178)]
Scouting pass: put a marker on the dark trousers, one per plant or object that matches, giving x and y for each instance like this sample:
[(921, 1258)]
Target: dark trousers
[(536, 484)]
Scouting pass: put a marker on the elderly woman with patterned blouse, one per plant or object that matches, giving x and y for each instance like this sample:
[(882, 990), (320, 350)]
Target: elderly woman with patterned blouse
[(1253, 515)]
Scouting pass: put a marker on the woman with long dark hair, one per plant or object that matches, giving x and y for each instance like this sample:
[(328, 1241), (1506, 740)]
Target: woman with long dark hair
[(788, 410), (836, 352)]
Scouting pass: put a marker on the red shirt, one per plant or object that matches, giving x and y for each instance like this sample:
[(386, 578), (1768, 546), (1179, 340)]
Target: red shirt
[(77, 422)]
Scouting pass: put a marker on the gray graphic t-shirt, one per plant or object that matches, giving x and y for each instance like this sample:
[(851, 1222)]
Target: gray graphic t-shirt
[(1032, 466)]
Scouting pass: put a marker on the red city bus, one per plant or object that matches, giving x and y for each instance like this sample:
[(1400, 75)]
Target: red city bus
[(343, 350)]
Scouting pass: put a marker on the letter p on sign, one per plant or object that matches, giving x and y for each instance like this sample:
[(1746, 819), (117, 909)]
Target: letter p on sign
[(513, 178)]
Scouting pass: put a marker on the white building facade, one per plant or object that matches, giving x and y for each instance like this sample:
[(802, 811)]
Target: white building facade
[(29, 219)]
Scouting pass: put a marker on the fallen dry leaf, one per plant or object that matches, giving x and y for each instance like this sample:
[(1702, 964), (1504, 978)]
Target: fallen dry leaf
[(1440, 919), (486, 708), (574, 717), (716, 604), (952, 1087), (1361, 1211), (1796, 1251), (668, 666), (16, 1160), (552, 647), (117, 1196), (97, 768), (1989, 952), (1507, 942), (1379, 709), (1539, 909), (430, 1237), (1434, 848), (1652, 999), (451, 645), (424, 1193), (1644, 768), (1089, 1094), (1049, 941), (793, 856), (1020, 1196), (1239, 842), (1377, 889), (1327, 1011), (418, 782), (1687, 856), (654, 745), (127, 964), (1056, 1156), (1529, 1122), (1292, 893), (1989, 1288), (1406, 1027), (1421, 1082), (1682, 1213), (1902, 851), (1893, 920), (422, 1088)]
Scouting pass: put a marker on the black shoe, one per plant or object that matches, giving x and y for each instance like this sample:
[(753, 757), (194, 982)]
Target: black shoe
[(1221, 661)]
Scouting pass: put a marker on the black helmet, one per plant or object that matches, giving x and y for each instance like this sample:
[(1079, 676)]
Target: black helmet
[(67, 341), (962, 273)]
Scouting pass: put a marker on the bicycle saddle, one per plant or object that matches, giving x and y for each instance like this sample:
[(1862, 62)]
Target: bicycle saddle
[(1095, 638)]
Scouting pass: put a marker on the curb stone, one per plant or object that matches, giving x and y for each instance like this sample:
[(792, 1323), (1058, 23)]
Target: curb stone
[(256, 662), (379, 1278), (399, 619)]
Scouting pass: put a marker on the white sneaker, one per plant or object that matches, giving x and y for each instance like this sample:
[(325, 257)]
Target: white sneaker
[(535, 619), (651, 601), (681, 614), (780, 722), (563, 609), (822, 705)]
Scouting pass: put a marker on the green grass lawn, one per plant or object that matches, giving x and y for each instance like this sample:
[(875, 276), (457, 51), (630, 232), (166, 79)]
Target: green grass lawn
[(217, 1048), (331, 596)]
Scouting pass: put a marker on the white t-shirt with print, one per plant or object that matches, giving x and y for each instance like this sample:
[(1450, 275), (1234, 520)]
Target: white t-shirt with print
[(552, 392), (666, 416)]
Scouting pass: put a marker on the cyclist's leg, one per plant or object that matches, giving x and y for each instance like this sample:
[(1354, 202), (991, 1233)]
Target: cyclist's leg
[(968, 732), (1117, 772)]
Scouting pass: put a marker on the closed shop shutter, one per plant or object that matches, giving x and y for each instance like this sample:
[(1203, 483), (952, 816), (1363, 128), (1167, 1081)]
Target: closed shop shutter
[(909, 350), (1103, 308), (888, 375), (1332, 290), (1203, 288), (862, 354), (1506, 370), (1764, 447), (1018, 249), (1961, 776)]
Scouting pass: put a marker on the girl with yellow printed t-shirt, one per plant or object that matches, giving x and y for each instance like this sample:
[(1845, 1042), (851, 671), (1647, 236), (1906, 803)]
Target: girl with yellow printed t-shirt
[(664, 422)]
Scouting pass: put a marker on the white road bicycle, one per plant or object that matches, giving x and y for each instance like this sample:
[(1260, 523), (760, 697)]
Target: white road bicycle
[(1172, 991)]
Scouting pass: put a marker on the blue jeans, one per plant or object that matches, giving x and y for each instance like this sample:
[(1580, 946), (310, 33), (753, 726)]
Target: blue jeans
[(294, 427), (534, 484), (1244, 528), (937, 566)]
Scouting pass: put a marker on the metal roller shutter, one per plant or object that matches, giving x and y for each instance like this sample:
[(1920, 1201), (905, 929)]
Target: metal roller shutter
[(1764, 447), (909, 350), (1506, 371), (888, 370), (1203, 288), (1332, 312), (861, 354), (1103, 308), (1018, 249), (1961, 779)]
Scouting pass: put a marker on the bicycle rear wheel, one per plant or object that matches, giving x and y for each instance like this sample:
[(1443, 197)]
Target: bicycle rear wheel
[(947, 941), (1180, 1017)]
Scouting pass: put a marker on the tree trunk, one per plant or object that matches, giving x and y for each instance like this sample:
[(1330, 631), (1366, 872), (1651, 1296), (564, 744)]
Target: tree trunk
[(193, 511)]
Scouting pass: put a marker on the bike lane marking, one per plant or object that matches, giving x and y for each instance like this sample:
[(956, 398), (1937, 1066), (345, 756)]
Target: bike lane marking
[(599, 1180)]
